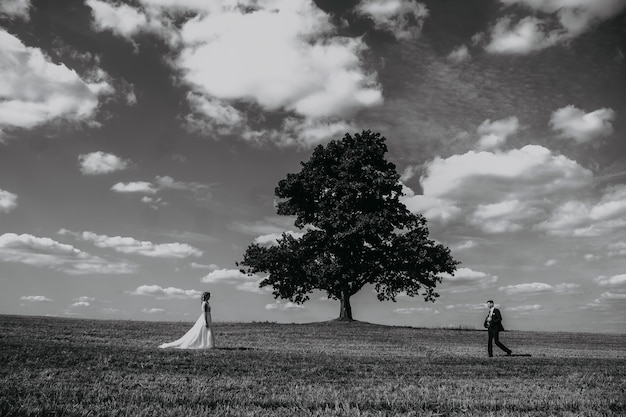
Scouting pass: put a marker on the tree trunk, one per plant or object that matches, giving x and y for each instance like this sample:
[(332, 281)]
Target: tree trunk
[(345, 311)]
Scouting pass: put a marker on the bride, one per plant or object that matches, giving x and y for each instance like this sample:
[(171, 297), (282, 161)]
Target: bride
[(200, 336)]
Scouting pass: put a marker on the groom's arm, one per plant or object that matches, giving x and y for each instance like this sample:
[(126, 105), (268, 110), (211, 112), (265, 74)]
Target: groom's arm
[(496, 317)]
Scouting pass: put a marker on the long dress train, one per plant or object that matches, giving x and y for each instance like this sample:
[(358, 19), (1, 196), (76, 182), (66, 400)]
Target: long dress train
[(198, 337)]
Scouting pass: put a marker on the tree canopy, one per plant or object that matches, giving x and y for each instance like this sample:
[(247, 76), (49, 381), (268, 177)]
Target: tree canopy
[(356, 231)]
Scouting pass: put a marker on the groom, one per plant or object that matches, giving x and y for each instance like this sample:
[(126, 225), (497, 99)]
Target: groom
[(493, 324)]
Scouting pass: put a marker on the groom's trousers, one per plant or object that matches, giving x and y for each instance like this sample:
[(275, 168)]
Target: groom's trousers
[(494, 336)]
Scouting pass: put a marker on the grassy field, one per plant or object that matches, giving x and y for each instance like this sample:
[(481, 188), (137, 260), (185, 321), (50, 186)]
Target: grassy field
[(71, 367)]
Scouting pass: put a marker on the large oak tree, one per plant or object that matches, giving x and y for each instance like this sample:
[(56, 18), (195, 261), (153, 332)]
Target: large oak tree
[(346, 200)]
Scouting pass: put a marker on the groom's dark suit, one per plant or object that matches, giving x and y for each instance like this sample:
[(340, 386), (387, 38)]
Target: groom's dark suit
[(494, 327)]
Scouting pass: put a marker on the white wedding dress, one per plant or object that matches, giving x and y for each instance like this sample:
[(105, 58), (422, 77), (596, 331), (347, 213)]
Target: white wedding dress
[(199, 336)]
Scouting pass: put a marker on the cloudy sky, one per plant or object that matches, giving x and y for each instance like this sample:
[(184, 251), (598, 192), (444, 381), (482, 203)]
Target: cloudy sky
[(141, 141)]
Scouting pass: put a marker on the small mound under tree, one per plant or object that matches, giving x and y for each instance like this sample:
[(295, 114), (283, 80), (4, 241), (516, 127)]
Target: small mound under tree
[(354, 231)]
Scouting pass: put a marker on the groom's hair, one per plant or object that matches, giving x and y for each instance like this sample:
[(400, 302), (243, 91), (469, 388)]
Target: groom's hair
[(490, 301)]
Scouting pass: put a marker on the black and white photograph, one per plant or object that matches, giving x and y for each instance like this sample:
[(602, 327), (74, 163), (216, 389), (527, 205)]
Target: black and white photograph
[(312, 207)]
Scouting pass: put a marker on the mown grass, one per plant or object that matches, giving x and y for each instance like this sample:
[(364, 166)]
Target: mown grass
[(70, 367)]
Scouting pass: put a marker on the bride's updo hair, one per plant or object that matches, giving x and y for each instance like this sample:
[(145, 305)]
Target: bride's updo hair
[(206, 295)]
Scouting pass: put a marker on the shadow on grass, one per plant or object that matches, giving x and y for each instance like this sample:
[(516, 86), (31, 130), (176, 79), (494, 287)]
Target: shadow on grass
[(235, 348)]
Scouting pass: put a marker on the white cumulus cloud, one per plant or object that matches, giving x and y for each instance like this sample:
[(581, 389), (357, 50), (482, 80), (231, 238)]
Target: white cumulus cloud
[(540, 287), (530, 171), (301, 133), (165, 292), (127, 21), (200, 192), (228, 276), (153, 311), (34, 90), (466, 307), (83, 301), (531, 189), (608, 301), (209, 111), (15, 8), (403, 18), (241, 281), (466, 279), (505, 216), (121, 19), (45, 252), (36, 299), (99, 162), (575, 16), (616, 281), (134, 187), (524, 309), (325, 78), (129, 245), (467, 244), (236, 55), (553, 22), (522, 37), (433, 208), (80, 304), (590, 217), (460, 54), (498, 191), (8, 201), (416, 311), (582, 127), (494, 134), (288, 306)]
